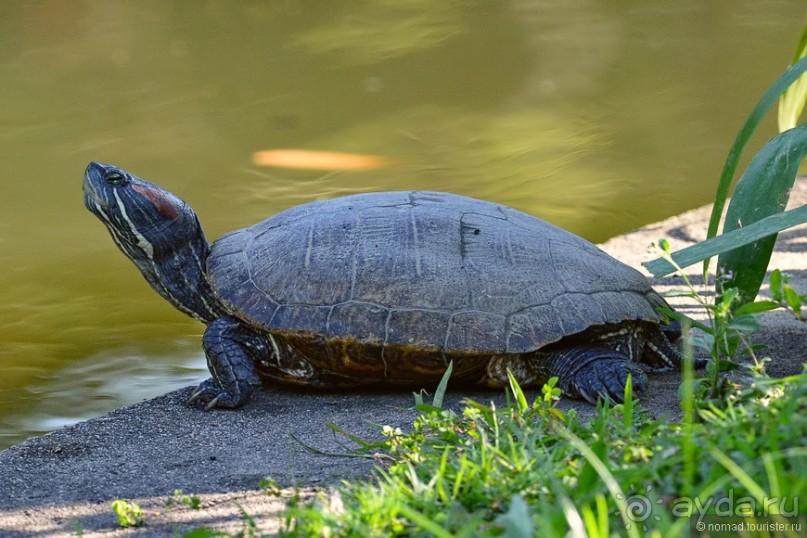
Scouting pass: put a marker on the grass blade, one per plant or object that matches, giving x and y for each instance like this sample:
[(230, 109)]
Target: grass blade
[(441, 388), (358, 440), (627, 405), (605, 475), (753, 488), (423, 522), (521, 400), (577, 528)]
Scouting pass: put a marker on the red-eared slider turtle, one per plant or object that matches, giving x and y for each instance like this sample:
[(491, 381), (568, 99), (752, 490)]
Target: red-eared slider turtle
[(387, 288)]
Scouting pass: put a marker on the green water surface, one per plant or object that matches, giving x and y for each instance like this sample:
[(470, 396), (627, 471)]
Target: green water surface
[(599, 116)]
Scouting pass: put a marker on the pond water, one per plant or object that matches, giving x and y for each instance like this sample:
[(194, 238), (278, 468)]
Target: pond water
[(598, 116)]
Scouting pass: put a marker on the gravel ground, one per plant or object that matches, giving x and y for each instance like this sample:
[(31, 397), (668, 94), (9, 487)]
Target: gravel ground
[(62, 483)]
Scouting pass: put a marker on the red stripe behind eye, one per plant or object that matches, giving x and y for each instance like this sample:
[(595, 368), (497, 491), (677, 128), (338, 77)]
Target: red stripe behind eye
[(165, 205)]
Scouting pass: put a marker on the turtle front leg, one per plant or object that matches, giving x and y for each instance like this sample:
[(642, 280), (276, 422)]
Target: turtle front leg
[(231, 351), (590, 372)]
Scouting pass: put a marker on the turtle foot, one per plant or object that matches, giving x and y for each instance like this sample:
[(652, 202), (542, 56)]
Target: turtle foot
[(605, 379), (590, 372), (211, 395)]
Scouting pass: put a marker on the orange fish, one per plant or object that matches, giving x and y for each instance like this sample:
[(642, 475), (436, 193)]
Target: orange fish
[(304, 159)]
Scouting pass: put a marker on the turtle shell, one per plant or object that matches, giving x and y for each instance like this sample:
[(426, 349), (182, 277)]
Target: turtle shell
[(423, 271)]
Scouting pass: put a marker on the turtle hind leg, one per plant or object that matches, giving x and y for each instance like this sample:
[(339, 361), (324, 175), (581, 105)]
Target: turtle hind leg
[(590, 372), (231, 349), (644, 342), (672, 330), (661, 353)]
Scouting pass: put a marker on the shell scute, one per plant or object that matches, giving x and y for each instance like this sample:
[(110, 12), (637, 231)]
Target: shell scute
[(420, 328), (477, 330), (356, 318), (302, 317)]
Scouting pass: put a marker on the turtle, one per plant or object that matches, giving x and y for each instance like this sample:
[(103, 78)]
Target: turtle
[(388, 289)]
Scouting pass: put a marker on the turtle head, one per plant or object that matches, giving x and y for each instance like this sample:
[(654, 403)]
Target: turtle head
[(159, 232), (145, 221)]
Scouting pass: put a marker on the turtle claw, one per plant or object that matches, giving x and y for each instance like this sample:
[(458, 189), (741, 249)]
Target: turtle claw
[(195, 396), (207, 395), (587, 396), (212, 403), (211, 395)]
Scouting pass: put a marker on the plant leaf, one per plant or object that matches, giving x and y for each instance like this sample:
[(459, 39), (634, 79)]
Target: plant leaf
[(776, 284), (744, 324), (683, 318), (762, 191), (792, 102), (793, 299), (727, 241), (778, 88), (756, 308)]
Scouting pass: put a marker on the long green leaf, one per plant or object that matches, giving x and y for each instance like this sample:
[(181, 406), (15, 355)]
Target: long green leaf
[(740, 474), (762, 191), (442, 386), (792, 102), (521, 400), (517, 522), (725, 242), (605, 475), (423, 522), (754, 119)]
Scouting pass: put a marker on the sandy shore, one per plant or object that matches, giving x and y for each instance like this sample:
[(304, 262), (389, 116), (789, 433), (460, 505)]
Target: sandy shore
[(64, 481)]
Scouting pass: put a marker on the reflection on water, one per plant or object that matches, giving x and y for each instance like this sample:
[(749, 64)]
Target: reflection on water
[(597, 116), (383, 30), (109, 378)]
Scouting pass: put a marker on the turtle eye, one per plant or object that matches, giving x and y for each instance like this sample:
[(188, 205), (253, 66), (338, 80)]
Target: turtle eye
[(114, 178)]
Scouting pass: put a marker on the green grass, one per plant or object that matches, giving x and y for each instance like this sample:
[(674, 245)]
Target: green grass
[(532, 470), (129, 513)]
